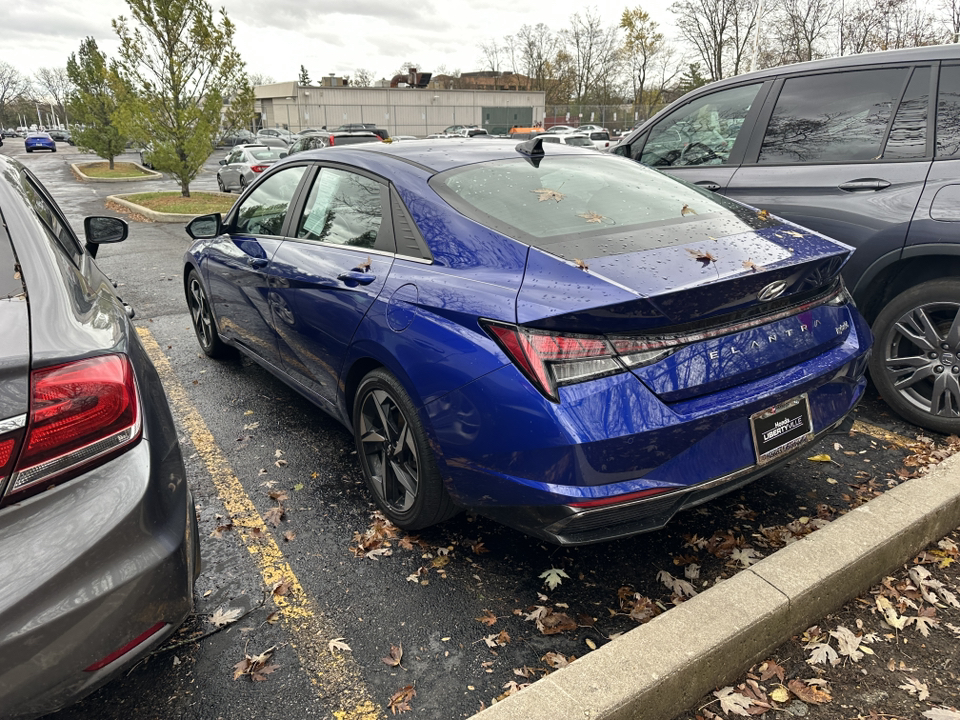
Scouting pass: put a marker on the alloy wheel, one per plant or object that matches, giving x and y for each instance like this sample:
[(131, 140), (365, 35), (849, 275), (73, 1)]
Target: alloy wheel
[(921, 357), (200, 314), (390, 450)]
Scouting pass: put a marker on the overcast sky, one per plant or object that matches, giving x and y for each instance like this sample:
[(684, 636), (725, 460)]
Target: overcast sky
[(276, 36)]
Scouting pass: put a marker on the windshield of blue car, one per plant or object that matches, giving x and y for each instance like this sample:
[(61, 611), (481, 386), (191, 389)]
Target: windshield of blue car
[(551, 200)]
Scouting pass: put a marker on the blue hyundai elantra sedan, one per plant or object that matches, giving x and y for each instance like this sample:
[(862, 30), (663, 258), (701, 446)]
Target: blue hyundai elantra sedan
[(567, 342)]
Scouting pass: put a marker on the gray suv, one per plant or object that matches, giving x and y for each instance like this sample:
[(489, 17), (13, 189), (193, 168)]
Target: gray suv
[(865, 149)]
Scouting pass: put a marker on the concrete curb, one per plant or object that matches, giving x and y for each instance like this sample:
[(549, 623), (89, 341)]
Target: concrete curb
[(89, 178), (153, 214), (660, 669)]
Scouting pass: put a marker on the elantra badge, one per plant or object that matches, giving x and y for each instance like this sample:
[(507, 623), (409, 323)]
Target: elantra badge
[(772, 291)]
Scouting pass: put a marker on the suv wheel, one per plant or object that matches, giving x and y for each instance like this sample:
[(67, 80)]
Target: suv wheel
[(916, 359)]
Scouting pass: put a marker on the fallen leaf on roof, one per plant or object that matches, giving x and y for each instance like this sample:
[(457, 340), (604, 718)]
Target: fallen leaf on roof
[(763, 214), (548, 194), (702, 257), (751, 265), (592, 217), (687, 210)]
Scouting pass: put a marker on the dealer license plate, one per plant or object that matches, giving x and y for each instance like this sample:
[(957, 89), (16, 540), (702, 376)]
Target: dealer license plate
[(782, 428)]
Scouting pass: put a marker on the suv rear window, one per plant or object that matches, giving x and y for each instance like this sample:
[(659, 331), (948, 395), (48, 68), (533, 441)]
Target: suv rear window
[(837, 117), (948, 112), (587, 195)]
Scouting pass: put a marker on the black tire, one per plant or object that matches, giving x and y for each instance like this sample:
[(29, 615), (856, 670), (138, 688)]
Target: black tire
[(203, 321), (220, 184), (29, 150), (392, 445), (916, 355), (54, 150), (243, 183)]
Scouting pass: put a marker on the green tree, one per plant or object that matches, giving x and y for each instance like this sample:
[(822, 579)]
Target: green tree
[(649, 58), (691, 79), (239, 112), (180, 63), (94, 102), (304, 78)]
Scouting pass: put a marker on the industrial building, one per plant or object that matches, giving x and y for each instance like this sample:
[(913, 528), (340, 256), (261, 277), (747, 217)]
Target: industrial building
[(400, 110)]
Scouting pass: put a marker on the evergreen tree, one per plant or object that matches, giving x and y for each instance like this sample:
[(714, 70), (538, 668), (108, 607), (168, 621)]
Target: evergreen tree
[(304, 78)]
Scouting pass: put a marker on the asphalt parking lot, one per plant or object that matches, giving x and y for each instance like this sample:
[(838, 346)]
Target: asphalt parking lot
[(355, 612)]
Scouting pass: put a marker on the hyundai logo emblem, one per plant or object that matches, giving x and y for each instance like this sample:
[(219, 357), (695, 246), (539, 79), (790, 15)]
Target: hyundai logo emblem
[(773, 290)]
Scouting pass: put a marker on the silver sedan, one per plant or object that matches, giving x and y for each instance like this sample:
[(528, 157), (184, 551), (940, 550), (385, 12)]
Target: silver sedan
[(244, 164)]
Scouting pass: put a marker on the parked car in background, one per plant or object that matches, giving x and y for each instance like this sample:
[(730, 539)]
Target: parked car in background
[(242, 166), (309, 141), (146, 156), (10, 133), (572, 344), (865, 149), (60, 135), (591, 128), (39, 141), (399, 138), (240, 136), (98, 533), (281, 133), (600, 138), (473, 132), (364, 127), (555, 129), (573, 138), (347, 137)]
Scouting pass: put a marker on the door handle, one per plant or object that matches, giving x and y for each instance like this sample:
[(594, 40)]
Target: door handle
[(257, 263), (709, 185), (864, 184), (359, 278)]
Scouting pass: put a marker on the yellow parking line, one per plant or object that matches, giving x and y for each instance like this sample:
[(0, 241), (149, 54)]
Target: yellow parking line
[(337, 677), (880, 434)]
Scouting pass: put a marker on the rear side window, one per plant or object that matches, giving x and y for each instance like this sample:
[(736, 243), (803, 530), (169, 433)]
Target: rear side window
[(702, 132), (839, 117), (908, 134), (343, 208), (264, 212), (948, 112)]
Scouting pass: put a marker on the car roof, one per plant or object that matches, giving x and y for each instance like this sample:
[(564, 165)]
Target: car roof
[(437, 157), (918, 54)]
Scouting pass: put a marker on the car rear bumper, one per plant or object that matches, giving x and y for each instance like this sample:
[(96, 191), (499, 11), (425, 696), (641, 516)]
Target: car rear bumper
[(89, 567), (570, 472)]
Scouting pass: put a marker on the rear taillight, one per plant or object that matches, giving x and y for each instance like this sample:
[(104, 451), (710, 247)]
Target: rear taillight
[(551, 360), (332, 143), (81, 413), (259, 168)]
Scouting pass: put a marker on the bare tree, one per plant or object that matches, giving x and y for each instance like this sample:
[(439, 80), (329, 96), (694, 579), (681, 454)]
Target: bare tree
[(650, 59), (951, 10), (260, 79), (362, 78), (801, 29), (13, 86), (538, 47), (54, 84), (594, 50)]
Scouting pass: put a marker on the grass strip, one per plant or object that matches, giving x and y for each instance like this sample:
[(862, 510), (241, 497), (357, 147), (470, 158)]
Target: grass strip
[(120, 170), (199, 203)]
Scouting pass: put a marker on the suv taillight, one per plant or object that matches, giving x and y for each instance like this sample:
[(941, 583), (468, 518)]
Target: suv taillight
[(81, 414), (259, 168), (332, 141)]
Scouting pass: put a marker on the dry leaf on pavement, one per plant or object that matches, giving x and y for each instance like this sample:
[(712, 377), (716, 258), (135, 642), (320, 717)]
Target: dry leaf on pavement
[(395, 656), (222, 618), (400, 700), (809, 694)]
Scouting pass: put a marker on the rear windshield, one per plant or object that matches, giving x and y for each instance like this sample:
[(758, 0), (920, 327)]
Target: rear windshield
[(580, 141), (265, 154), (565, 197), (348, 140)]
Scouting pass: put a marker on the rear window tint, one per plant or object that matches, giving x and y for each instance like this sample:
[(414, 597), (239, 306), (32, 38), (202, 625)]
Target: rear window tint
[(347, 140), (587, 195), (948, 112), (580, 142), (265, 154)]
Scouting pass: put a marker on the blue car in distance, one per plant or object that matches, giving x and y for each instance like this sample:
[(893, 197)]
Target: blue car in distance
[(39, 141), (565, 341)]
